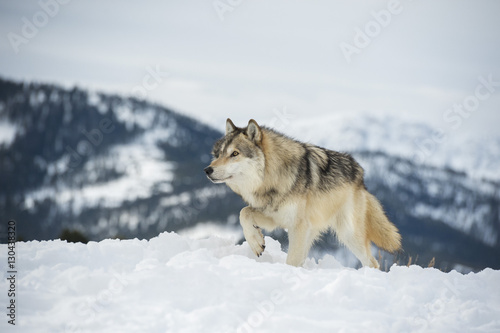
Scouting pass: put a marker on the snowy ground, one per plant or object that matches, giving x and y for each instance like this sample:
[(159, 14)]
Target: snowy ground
[(176, 284)]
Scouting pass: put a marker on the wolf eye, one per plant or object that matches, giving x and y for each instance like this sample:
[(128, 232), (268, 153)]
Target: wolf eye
[(234, 154)]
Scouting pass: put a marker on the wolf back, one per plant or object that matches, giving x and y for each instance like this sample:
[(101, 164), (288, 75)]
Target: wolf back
[(313, 168)]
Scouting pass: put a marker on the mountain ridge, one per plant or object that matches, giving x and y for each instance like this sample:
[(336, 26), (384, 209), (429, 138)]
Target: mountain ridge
[(112, 166)]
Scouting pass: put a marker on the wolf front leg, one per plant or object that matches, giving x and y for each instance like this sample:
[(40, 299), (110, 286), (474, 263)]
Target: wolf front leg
[(251, 221)]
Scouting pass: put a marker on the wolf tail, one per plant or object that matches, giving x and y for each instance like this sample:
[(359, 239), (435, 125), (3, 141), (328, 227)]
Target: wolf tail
[(379, 229)]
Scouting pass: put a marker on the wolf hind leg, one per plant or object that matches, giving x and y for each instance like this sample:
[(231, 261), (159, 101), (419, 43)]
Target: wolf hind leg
[(252, 221), (300, 239), (354, 238), (363, 253)]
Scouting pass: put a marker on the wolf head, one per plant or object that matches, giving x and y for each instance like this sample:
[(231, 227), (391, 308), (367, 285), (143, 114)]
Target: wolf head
[(238, 158)]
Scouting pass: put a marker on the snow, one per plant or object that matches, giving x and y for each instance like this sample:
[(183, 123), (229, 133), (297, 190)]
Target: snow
[(203, 230), (173, 283), (94, 99), (7, 133), (37, 98), (461, 218), (143, 118)]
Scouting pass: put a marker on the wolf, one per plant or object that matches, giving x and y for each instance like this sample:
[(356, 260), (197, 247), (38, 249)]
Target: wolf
[(302, 188)]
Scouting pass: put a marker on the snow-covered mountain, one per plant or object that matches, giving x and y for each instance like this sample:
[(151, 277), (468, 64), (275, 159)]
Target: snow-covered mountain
[(111, 166), (442, 147), (105, 165)]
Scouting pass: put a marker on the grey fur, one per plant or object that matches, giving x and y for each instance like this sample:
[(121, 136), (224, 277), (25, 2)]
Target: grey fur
[(313, 167), (300, 187)]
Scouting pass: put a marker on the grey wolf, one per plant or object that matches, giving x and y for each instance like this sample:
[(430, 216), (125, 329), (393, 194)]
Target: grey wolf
[(300, 187)]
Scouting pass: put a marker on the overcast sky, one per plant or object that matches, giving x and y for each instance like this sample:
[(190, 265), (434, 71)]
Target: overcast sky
[(252, 58)]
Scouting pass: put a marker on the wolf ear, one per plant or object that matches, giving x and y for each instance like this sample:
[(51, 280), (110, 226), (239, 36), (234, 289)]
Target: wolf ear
[(254, 132), (230, 128)]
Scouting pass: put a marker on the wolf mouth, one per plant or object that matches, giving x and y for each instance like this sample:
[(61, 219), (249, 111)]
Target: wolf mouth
[(214, 180)]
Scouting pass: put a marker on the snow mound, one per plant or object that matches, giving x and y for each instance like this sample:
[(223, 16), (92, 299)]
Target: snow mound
[(173, 283)]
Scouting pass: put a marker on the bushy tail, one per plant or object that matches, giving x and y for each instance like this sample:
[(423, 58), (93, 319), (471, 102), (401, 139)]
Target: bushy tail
[(379, 229)]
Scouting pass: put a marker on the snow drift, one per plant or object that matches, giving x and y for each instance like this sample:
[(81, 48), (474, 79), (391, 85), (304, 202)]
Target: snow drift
[(173, 283)]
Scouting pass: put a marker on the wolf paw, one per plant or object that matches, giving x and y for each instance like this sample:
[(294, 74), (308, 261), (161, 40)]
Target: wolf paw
[(255, 239)]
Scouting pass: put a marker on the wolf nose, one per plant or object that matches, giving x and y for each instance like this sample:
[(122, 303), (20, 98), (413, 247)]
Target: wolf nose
[(208, 170)]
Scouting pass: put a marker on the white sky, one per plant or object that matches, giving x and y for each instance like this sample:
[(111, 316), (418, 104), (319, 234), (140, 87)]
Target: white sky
[(267, 55)]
